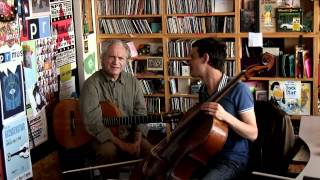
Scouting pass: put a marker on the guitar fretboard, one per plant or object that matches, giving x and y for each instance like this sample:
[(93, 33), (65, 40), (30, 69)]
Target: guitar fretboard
[(118, 121)]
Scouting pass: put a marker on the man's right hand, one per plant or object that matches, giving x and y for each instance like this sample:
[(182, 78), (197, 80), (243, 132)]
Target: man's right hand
[(131, 148)]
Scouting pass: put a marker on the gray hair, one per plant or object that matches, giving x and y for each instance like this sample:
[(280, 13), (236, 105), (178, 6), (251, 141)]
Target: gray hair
[(107, 45)]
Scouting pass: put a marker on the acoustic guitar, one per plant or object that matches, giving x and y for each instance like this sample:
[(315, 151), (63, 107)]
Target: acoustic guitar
[(69, 128)]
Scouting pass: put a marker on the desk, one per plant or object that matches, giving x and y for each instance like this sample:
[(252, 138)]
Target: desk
[(310, 134)]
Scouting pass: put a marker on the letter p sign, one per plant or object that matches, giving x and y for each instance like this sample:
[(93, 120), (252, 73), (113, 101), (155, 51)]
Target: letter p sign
[(33, 29)]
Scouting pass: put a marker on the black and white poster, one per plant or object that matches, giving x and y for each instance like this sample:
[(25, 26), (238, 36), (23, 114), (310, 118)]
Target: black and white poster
[(63, 32)]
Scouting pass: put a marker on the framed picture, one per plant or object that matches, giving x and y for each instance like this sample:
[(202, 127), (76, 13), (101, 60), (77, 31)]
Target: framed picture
[(261, 95), (185, 70), (289, 19), (155, 64)]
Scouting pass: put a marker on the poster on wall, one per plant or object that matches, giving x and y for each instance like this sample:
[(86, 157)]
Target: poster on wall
[(39, 129), (12, 93), (35, 28), (36, 100), (90, 63), (16, 149), (23, 8), (1, 166), (9, 34), (40, 7), (47, 81), (67, 89), (63, 32), (29, 63), (13, 53)]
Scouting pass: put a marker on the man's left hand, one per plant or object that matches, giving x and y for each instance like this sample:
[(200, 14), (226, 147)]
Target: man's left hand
[(214, 109)]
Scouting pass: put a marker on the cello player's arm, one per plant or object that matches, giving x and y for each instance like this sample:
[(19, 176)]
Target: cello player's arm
[(245, 126)]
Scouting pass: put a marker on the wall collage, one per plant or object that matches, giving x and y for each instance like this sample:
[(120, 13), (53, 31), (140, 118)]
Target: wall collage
[(36, 46)]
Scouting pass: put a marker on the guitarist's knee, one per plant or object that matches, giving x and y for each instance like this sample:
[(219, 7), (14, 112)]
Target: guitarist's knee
[(105, 152)]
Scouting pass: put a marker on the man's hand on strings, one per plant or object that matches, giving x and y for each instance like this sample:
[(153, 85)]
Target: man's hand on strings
[(214, 109)]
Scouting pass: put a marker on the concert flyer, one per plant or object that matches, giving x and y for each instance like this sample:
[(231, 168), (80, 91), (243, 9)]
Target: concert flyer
[(63, 32), (39, 129), (16, 148)]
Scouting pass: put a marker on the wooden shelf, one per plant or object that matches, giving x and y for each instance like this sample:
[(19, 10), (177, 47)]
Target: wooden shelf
[(280, 79), (179, 58), (230, 59), (142, 58), (184, 95), (181, 77), (130, 36), (284, 35), (200, 35), (202, 14), (147, 76), (155, 95), (130, 16)]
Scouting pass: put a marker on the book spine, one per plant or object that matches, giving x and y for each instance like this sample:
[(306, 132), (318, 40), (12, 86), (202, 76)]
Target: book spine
[(299, 64), (291, 65), (307, 65)]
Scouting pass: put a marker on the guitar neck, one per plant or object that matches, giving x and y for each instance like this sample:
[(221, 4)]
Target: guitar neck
[(131, 120)]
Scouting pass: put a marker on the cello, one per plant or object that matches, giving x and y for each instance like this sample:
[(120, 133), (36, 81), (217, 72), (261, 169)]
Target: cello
[(192, 143)]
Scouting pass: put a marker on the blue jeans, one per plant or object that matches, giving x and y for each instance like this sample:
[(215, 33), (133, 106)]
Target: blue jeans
[(223, 170)]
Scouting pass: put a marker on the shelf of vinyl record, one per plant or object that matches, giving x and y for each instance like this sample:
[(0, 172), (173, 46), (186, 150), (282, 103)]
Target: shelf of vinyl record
[(131, 17), (177, 24), (128, 7), (139, 17)]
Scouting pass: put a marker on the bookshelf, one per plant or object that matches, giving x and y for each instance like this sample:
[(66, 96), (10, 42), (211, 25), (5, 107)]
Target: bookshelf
[(199, 22), (288, 41)]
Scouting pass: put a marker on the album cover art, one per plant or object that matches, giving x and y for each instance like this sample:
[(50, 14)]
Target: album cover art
[(294, 97), (11, 88)]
